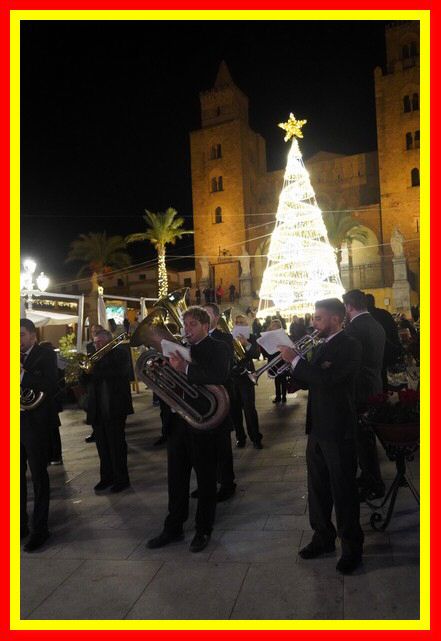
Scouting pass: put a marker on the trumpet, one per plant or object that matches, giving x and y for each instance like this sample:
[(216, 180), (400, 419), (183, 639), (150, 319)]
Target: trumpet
[(277, 366), (225, 324), (87, 362)]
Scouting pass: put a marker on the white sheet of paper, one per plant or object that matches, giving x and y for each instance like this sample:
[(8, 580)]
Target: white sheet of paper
[(245, 330), (168, 347), (270, 340)]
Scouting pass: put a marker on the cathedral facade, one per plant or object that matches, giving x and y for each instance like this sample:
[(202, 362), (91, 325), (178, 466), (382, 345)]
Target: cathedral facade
[(235, 198)]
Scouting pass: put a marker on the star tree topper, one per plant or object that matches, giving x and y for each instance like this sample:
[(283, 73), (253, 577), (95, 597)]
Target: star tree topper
[(292, 127)]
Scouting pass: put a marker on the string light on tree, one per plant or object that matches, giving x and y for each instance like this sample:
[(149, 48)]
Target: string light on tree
[(301, 266)]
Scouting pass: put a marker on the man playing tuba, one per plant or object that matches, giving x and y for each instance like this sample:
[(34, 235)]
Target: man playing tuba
[(189, 448)]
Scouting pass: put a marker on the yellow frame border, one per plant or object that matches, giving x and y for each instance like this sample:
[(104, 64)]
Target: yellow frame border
[(423, 16)]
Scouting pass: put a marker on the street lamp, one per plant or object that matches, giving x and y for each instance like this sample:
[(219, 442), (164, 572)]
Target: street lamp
[(27, 287)]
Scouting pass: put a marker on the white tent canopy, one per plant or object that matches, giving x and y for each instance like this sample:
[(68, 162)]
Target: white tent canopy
[(40, 318)]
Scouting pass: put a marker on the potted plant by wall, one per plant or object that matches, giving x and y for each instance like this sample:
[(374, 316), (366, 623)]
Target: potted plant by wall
[(72, 371)]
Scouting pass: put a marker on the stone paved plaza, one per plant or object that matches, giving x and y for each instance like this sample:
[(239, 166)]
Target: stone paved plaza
[(96, 565)]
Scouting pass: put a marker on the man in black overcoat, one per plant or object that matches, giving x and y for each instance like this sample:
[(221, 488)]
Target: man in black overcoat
[(188, 447), (372, 337), (109, 403), (39, 373), (331, 420)]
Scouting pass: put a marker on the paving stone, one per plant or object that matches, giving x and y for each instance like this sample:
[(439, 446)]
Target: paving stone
[(39, 577), (98, 590), (258, 546), (191, 591)]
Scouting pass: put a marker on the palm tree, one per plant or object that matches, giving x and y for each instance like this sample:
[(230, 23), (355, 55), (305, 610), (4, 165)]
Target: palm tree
[(99, 253), (163, 228), (341, 227)]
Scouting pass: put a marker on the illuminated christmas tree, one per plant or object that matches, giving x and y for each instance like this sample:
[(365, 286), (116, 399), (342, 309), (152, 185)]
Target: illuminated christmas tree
[(302, 265)]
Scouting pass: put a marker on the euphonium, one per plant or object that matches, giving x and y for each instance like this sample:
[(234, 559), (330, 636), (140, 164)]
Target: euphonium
[(87, 362), (277, 365), (204, 406), (225, 324)]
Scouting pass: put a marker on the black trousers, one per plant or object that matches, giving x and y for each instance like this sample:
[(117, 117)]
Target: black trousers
[(368, 457), (34, 447), (244, 400), (224, 452), (112, 449), (332, 467), (280, 384), (55, 444), (187, 449)]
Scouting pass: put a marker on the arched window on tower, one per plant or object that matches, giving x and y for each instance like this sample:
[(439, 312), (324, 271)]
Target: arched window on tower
[(409, 141), (218, 215), (406, 104), (417, 139), (220, 184), (415, 102), (405, 52), (213, 184), (213, 152), (218, 151), (415, 177)]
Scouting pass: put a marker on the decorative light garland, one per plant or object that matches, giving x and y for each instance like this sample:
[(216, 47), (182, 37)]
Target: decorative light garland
[(302, 266)]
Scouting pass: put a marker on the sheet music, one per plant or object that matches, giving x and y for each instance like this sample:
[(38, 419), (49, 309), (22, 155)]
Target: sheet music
[(245, 330), (168, 347), (270, 340)]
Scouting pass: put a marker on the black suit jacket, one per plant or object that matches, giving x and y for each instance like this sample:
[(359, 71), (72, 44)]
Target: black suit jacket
[(372, 338), (108, 387), (330, 378), (41, 375)]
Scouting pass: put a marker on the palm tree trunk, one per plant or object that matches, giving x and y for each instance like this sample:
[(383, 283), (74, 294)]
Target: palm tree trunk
[(162, 273)]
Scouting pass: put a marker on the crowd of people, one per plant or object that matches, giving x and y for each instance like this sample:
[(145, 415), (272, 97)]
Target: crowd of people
[(358, 343)]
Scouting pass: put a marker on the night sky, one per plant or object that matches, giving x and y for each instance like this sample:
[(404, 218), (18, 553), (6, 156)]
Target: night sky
[(107, 107)]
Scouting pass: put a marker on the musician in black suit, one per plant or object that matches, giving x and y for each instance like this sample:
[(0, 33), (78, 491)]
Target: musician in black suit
[(225, 468), (368, 383), (392, 347), (330, 424), (189, 448), (109, 403), (246, 390), (38, 372), (90, 349)]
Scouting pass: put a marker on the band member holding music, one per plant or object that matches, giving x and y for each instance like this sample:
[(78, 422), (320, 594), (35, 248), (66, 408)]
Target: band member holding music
[(189, 448), (245, 398), (109, 403), (331, 423), (38, 372), (225, 469)]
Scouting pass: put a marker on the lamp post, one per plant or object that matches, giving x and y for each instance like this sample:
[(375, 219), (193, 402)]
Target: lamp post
[(27, 287)]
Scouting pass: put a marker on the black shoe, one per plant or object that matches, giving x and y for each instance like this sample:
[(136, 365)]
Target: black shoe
[(347, 564), (195, 494), (225, 493), (24, 531), (200, 542), (276, 400), (164, 539), (57, 462), (161, 440), (312, 550), (119, 487), (370, 494), (36, 541), (257, 445), (240, 444), (284, 399), (102, 485), (90, 438)]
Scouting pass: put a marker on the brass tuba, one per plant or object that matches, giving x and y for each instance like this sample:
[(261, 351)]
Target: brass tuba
[(30, 399), (203, 407), (87, 362), (175, 305)]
